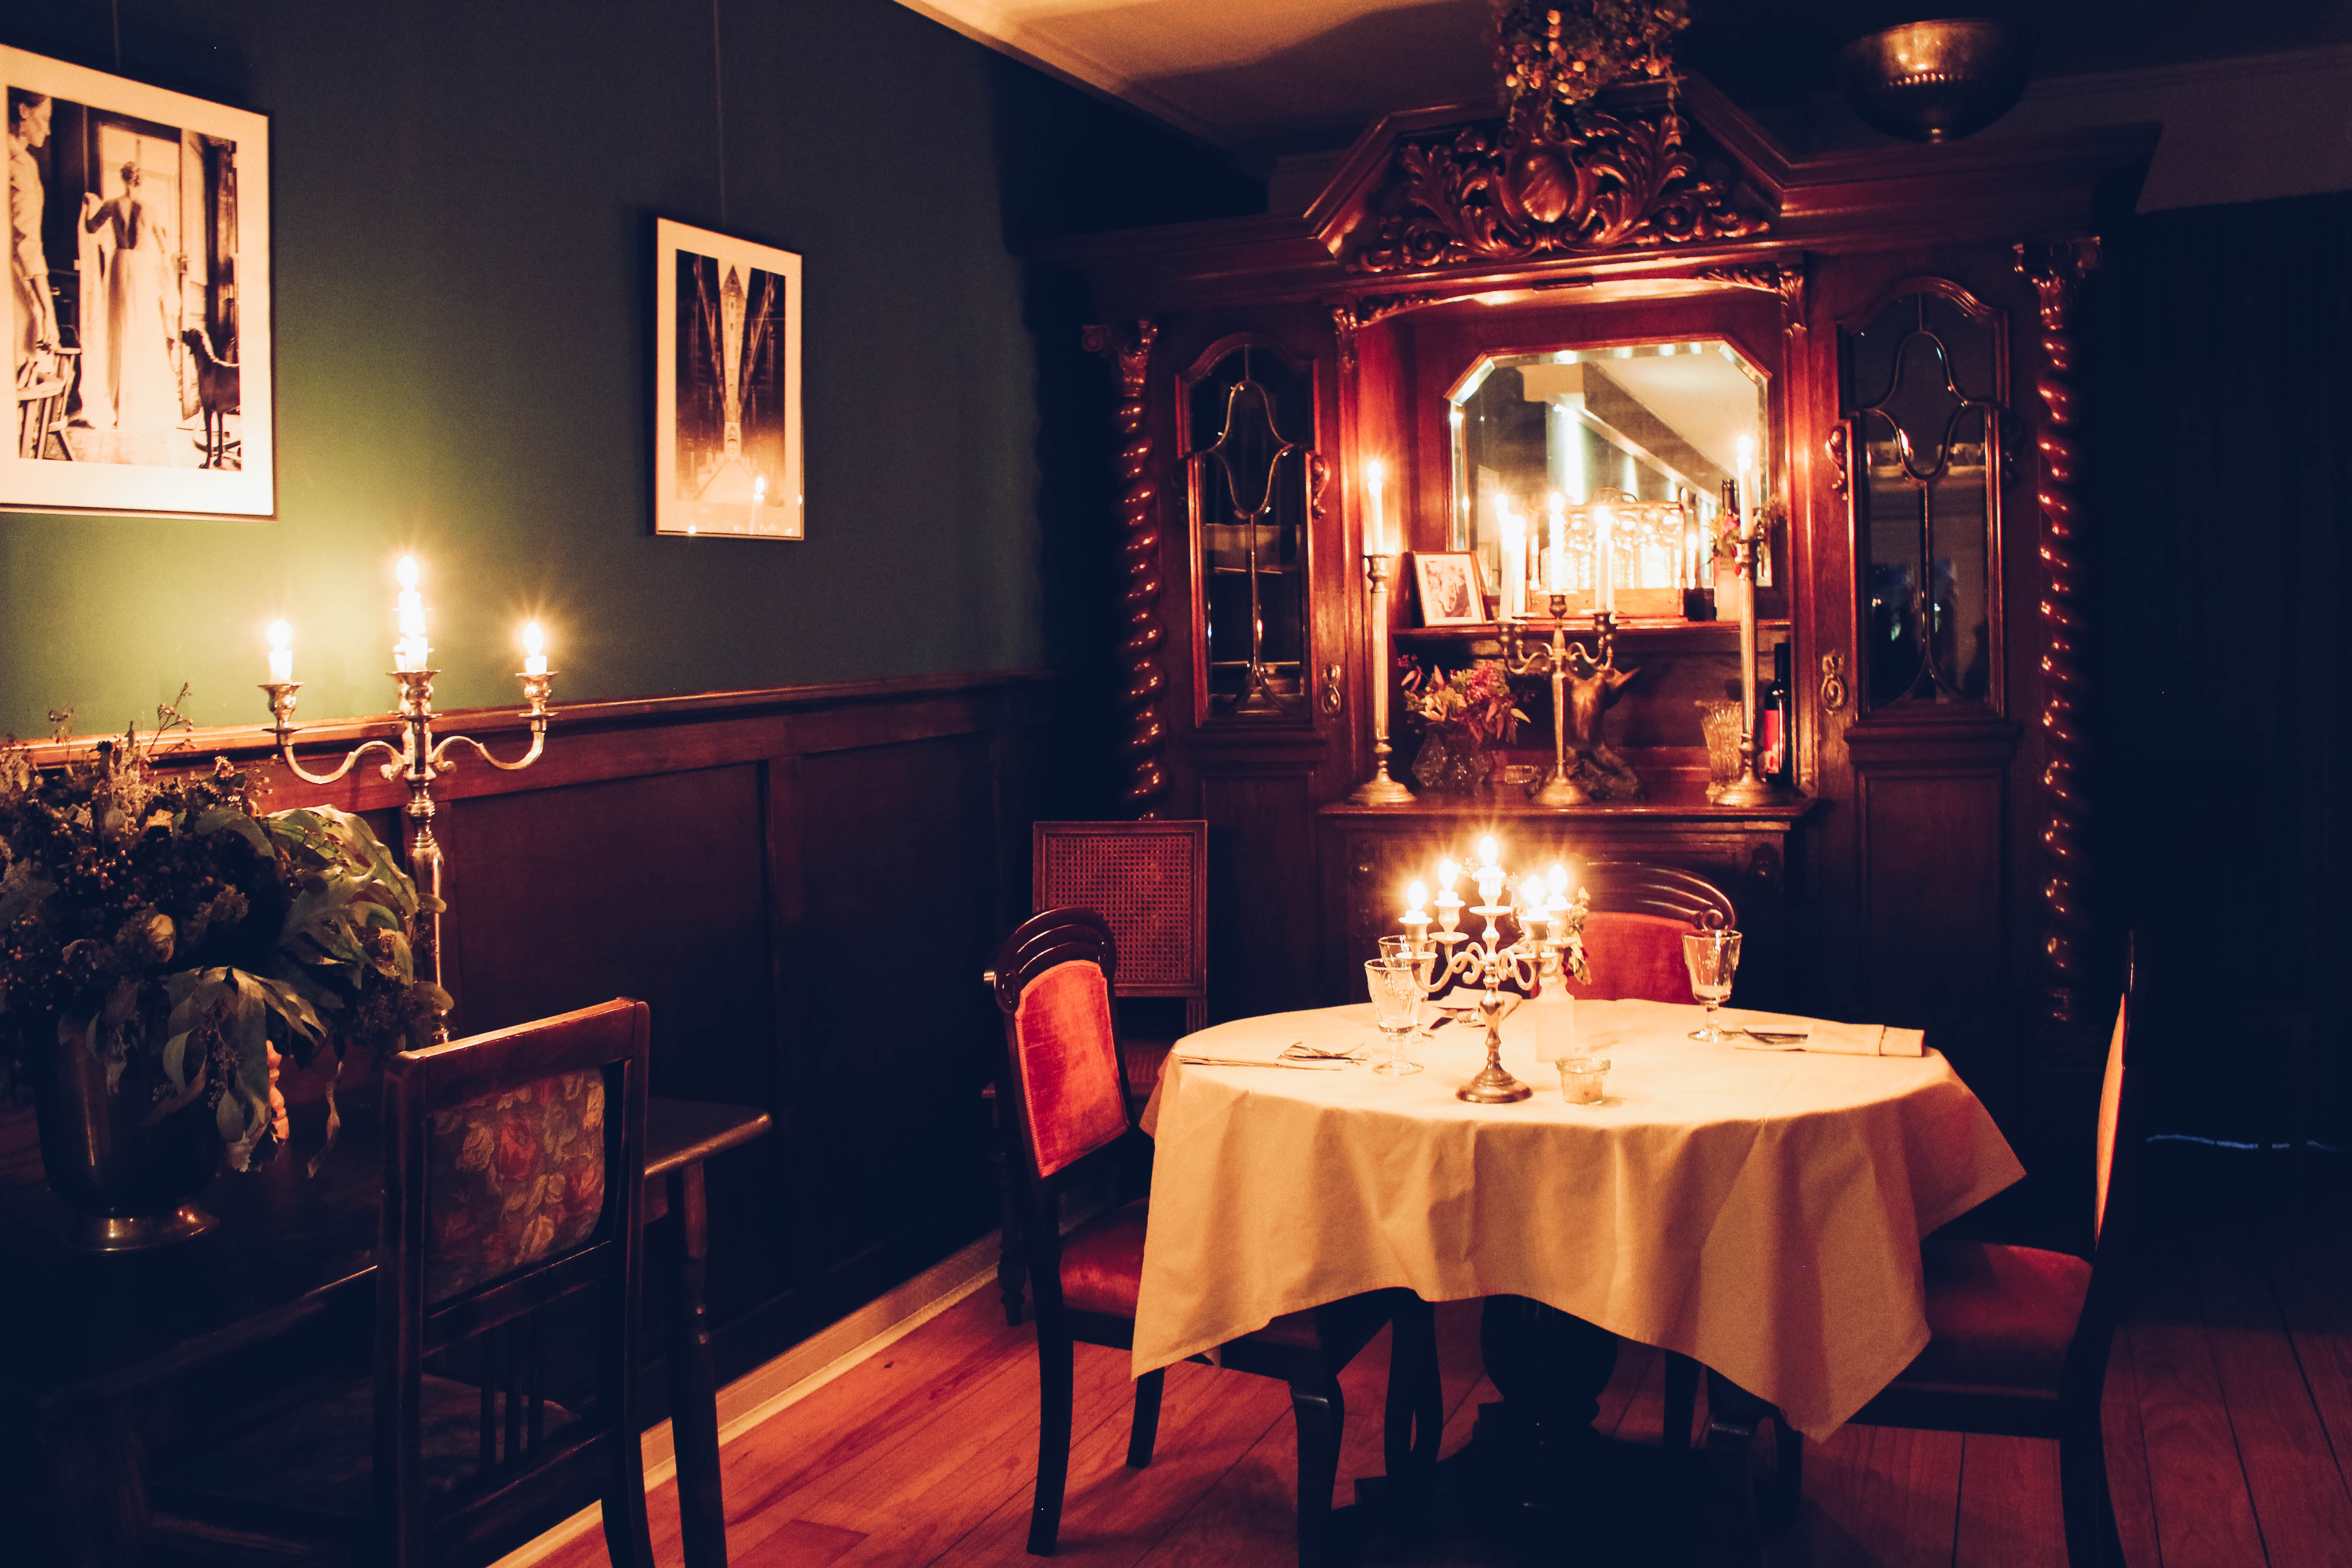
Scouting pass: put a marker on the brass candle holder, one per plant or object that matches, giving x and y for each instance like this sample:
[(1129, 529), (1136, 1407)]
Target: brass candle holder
[(1748, 789), (417, 759), (1487, 961), (1380, 789)]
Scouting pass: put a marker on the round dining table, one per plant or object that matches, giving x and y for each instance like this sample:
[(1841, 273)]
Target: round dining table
[(1758, 1211)]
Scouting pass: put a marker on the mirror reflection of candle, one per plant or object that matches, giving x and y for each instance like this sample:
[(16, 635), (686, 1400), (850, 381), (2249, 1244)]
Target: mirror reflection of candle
[(1604, 546), (1515, 563)]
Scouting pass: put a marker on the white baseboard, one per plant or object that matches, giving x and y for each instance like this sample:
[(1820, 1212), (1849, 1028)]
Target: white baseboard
[(799, 1372)]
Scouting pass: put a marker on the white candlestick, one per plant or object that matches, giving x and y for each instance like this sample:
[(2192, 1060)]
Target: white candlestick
[(1556, 560), (1515, 565), (1375, 529), (1604, 546), (534, 650), (281, 652)]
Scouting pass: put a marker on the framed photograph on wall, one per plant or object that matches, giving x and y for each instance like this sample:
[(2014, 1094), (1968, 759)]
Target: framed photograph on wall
[(727, 386), (1453, 588), (139, 297)]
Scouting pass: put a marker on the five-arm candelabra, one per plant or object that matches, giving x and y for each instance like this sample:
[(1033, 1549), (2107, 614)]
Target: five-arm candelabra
[(419, 758), (1550, 942)]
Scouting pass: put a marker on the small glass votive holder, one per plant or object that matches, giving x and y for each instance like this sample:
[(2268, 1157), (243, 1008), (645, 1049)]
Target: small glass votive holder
[(1581, 1079)]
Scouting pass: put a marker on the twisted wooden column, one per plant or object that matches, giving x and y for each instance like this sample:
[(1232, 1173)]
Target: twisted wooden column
[(2054, 270), (1142, 683)]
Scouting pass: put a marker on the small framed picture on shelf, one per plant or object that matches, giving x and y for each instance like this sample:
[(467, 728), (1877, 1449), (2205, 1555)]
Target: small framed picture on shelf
[(1453, 588)]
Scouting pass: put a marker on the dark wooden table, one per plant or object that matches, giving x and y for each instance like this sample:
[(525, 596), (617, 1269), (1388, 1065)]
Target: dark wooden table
[(94, 1341)]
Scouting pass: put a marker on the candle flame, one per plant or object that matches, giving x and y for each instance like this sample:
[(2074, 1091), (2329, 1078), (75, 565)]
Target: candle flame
[(1447, 872), (1376, 473), (281, 636), (1488, 850), (534, 641), (1415, 895), (407, 571), (1559, 879)]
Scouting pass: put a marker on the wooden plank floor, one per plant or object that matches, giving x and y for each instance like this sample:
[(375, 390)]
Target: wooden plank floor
[(2229, 1424)]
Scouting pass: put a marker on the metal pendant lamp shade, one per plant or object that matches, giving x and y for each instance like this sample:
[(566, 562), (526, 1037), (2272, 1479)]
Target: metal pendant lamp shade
[(1936, 81)]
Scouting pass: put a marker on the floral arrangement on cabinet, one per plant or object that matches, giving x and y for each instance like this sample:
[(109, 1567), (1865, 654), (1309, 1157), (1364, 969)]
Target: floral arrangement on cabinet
[(158, 922), (1462, 714)]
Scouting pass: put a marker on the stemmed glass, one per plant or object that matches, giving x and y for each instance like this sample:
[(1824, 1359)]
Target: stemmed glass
[(1712, 957), (1395, 985)]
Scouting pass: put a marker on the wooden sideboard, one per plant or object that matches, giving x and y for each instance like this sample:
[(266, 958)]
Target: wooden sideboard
[(1933, 873)]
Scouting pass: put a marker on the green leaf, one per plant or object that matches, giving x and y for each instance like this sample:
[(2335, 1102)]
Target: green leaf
[(219, 819)]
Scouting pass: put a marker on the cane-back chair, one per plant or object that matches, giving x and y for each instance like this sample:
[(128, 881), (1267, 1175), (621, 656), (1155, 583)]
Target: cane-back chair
[(1067, 1121), (513, 1189)]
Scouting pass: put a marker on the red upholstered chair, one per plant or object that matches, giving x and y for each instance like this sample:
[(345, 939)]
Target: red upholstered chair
[(1149, 882), (1068, 1119), (513, 1183), (2020, 1336)]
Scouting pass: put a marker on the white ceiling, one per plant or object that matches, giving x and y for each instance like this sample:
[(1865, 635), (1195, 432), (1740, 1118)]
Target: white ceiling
[(1241, 74)]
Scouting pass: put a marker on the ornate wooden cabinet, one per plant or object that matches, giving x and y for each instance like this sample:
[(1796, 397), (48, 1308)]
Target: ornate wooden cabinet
[(1904, 316)]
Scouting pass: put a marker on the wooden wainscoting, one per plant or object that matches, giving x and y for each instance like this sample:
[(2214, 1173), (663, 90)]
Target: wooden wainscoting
[(804, 884)]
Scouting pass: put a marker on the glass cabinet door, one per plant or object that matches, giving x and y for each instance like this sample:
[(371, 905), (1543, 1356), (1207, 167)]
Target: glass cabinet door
[(1922, 388), (1250, 429)]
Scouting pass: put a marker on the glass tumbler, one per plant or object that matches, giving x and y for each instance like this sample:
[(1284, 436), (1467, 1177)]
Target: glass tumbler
[(1712, 957), (1396, 1008)]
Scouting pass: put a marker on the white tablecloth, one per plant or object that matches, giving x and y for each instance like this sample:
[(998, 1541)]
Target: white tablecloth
[(1758, 1211)]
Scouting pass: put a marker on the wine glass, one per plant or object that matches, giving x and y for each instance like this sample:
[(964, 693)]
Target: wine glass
[(1396, 1008), (1712, 957)]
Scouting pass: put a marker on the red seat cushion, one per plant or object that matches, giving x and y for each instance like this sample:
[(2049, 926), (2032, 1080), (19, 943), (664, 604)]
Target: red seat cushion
[(1633, 958), (1102, 1262), (2001, 1317), (1102, 1265), (1069, 1064)]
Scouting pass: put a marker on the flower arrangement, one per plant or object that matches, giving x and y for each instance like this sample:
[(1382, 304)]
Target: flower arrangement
[(1471, 706), (1568, 50), (151, 913)]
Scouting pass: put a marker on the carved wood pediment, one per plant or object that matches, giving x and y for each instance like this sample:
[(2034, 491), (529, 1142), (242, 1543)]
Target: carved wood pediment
[(1560, 183)]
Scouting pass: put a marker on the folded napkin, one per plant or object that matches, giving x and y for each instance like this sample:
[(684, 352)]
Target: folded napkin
[(1823, 1036)]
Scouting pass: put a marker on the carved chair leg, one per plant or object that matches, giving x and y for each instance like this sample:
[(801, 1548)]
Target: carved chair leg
[(1320, 1413), (1682, 1399), (1145, 1430), (1056, 1372)]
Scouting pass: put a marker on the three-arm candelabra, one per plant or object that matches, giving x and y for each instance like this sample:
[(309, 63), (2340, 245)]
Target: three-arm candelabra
[(1552, 658), (1487, 961), (419, 758)]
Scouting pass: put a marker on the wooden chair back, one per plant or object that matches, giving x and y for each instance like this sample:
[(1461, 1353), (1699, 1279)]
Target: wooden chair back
[(1149, 882), (1064, 1111), (2115, 1203), (514, 1180), (1633, 887), (1633, 933)]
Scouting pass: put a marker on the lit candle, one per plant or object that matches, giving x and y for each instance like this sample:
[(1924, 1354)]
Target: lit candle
[(1747, 484), (1558, 880), (281, 652), (410, 651), (1416, 918), (1449, 903), (1556, 559), (1604, 546), (1489, 852), (1515, 563), (1531, 899), (534, 649), (1376, 527)]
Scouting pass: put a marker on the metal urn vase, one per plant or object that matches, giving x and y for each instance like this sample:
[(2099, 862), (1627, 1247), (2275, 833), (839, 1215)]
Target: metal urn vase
[(130, 1182), (1936, 81)]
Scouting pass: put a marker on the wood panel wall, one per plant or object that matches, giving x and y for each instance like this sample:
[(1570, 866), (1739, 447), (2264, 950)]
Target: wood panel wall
[(804, 884)]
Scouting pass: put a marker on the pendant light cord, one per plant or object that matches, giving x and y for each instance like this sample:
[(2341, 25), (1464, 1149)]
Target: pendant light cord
[(718, 102)]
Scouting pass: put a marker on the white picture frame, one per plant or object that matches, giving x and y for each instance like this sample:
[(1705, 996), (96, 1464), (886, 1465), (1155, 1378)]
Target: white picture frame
[(729, 454), (139, 301)]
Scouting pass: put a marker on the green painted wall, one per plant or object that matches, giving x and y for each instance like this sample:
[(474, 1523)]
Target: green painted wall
[(464, 195)]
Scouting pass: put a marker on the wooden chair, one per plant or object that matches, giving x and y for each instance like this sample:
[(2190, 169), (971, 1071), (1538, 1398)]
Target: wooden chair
[(413, 1468), (2020, 1336), (1149, 882), (42, 391), (1070, 1120)]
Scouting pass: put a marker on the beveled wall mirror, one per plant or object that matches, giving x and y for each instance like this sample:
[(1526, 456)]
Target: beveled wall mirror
[(1600, 471)]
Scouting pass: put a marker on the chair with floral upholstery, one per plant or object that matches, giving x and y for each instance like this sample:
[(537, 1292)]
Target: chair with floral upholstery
[(513, 1185), (1070, 1122)]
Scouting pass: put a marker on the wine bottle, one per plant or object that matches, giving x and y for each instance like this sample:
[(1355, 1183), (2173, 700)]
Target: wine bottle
[(1776, 760)]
